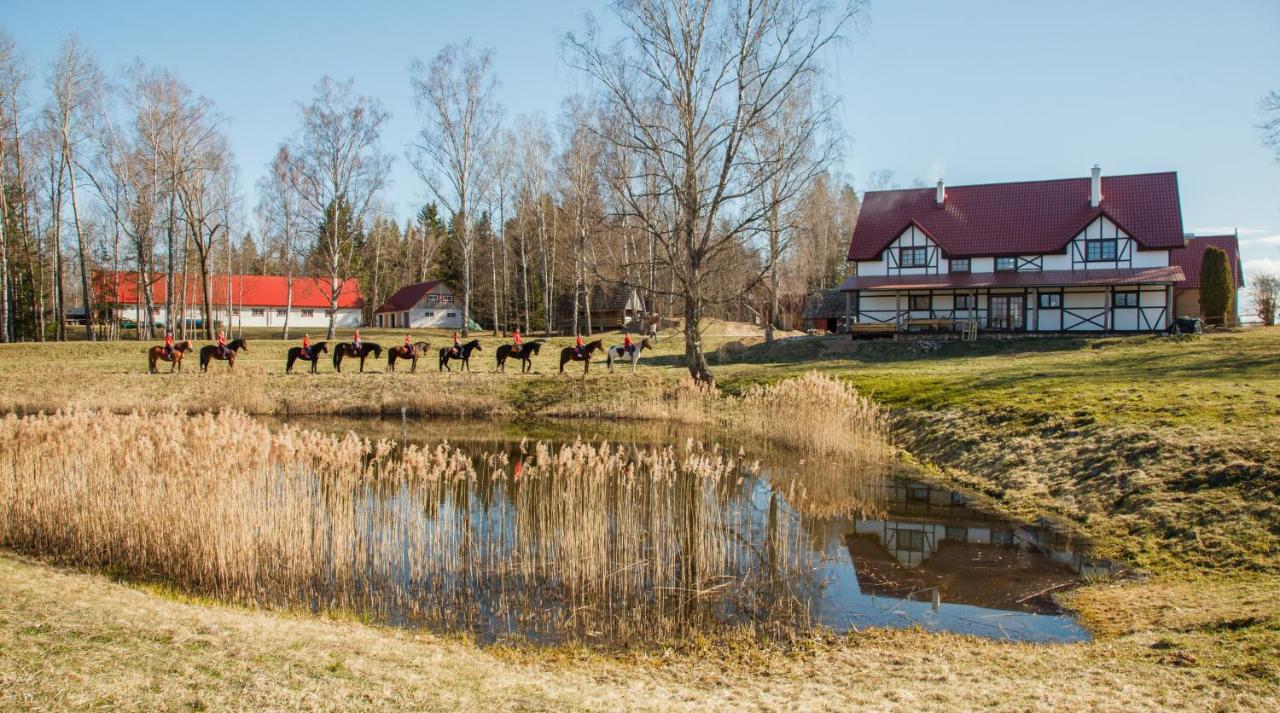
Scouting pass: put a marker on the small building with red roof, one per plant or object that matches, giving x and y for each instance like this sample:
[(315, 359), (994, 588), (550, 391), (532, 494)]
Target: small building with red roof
[(1065, 255), (236, 300), (422, 305)]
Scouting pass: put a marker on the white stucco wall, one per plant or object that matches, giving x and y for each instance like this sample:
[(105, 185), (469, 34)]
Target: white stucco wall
[(249, 316)]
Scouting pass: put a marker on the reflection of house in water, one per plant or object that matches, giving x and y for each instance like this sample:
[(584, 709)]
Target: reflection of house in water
[(931, 539)]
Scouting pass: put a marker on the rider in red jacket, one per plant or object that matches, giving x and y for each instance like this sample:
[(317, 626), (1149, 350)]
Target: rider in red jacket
[(306, 346), (517, 342), (168, 344), (222, 343), (627, 346)]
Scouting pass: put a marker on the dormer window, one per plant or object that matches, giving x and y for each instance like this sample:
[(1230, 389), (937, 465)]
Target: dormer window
[(913, 257)]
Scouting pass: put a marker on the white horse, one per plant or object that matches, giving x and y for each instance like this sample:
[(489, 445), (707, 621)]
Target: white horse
[(620, 353)]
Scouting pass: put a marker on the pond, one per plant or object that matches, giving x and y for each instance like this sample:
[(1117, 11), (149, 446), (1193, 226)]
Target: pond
[(782, 543)]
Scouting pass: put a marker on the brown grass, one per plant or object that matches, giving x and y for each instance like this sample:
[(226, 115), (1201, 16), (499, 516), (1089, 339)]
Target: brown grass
[(581, 540), (75, 641)]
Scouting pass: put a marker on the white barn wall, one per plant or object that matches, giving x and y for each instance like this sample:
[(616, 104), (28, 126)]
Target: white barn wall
[(268, 317)]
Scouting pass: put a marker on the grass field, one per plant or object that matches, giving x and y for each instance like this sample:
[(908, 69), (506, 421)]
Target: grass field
[(1161, 451)]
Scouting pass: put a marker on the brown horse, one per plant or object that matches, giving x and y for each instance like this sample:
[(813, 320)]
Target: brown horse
[(155, 354), (346, 349), (526, 353), (569, 354), (211, 351), (411, 353)]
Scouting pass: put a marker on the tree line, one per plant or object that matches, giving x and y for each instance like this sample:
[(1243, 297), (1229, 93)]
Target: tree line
[(697, 167)]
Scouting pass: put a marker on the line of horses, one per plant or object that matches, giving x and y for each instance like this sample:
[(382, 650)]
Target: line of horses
[(407, 353)]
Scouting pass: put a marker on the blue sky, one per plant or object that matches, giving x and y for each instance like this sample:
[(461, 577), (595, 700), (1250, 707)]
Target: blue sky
[(974, 92)]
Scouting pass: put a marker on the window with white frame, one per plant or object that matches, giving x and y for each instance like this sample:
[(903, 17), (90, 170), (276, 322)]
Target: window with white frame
[(446, 298), (1050, 300), (433, 298), (1006, 264), (258, 312), (960, 264)]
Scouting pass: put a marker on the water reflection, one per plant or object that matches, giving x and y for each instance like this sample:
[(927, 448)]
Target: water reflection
[(848, 550)]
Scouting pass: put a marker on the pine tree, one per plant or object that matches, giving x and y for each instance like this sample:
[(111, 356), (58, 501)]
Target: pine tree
[(1217, 288)]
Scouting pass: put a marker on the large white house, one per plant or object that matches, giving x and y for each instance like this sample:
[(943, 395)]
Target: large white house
[(1075, 254), (237, 300), (422, 305)]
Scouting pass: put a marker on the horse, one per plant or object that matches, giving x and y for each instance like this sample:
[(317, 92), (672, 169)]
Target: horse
[(411, 353), (175, 356), (346, 349), (446, 353), (569, 354), (295, 353), (620, 353), (527, 352), (210, 351)]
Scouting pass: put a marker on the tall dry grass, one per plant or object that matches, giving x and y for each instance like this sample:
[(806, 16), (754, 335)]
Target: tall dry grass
[(578, 540)]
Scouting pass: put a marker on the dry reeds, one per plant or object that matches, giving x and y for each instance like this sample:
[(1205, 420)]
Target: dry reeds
[(578, 541)]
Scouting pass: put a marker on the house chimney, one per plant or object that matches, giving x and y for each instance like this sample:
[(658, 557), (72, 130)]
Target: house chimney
[(942, 192), (1095, 187)]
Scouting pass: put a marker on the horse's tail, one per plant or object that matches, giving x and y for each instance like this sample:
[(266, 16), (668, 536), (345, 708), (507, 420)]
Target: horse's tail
[(608, 358)]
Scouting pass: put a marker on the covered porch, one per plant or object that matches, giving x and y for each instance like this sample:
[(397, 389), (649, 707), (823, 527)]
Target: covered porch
[(1126, 300)]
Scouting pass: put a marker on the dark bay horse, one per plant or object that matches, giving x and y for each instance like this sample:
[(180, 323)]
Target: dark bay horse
[(210, 351), (295, 353), (569, 354), (527, 352), (446, 353), (347, 349), (155, 354), (411, 353)]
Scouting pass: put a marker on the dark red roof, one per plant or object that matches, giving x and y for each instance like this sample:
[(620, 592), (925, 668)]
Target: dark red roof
[(1190, 257), (247, 290), (408, 296), (1030, 217), (1051, 278)]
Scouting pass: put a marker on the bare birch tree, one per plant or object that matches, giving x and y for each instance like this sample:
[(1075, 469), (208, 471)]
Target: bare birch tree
[(1270, 126), (73, 82), (689, 85), (455, 98), (338, 167), (280, 220)]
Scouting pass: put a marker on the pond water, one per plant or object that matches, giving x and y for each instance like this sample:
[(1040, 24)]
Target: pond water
[(795, 541)]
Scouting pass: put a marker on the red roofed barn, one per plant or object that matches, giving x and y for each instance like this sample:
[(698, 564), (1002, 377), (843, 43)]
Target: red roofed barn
[(419, 306), (237, 300), (1075, 254)]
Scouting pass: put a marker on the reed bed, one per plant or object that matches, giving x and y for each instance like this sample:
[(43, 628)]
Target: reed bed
[(575, 541)]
